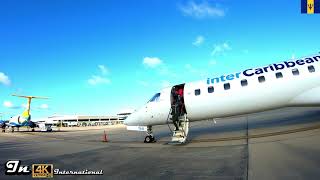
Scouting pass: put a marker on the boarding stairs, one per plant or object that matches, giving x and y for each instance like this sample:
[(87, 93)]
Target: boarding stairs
[(180, 136)]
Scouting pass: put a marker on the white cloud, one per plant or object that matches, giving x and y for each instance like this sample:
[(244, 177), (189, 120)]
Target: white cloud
[(4, 79), (220, 49), (100, 79), (44, 106), (201, 10), (199, 40), (7, 104), (10, 105), (152, 62), (158, 66), (104, 70), (95, 80)]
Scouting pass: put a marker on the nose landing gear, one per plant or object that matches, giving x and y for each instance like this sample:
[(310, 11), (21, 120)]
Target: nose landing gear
[(149, 138)]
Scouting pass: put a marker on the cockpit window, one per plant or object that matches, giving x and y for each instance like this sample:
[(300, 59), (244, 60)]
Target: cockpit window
[(155, 98)]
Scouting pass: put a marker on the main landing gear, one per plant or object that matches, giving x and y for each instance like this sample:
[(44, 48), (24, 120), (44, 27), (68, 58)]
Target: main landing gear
[(3, 127), (12, 129), (149, 138)]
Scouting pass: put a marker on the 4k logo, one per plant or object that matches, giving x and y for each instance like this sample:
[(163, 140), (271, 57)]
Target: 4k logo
[(14, 167), (42, 170)]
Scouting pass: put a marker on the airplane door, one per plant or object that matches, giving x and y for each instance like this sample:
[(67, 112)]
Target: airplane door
[(178, 90)]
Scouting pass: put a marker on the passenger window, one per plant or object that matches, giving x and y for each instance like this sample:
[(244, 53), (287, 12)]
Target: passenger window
[(210, 89), (295, 72), (197, 92), (226, 86), (279, 75), (244, 82), (311, 69), (261, 79)]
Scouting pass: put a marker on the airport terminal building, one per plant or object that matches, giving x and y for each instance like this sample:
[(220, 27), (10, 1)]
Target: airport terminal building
[(85, 120)]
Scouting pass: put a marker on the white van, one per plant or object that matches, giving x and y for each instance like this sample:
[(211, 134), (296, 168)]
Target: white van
[(45, 127)]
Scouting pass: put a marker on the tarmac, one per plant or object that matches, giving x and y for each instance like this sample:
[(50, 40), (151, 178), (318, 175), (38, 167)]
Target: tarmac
[(279, 144)]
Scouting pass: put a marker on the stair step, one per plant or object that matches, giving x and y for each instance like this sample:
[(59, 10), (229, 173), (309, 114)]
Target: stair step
[(180, 136), (175, 142), (180, 139), (177, 133)]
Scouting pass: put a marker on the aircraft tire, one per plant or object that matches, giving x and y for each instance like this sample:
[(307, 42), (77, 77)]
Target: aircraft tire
[(148, 139)]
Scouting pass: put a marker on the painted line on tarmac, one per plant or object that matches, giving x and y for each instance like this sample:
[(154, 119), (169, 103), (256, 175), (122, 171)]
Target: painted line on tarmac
[(255, 136)]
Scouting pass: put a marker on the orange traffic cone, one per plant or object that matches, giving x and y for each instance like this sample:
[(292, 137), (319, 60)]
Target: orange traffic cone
[(104, 137)]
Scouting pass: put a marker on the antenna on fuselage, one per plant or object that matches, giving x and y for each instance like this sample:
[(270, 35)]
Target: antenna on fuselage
[(29, 100)]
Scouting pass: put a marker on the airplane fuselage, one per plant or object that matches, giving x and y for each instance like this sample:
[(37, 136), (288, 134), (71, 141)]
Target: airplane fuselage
[(19, 121), (289, 83)]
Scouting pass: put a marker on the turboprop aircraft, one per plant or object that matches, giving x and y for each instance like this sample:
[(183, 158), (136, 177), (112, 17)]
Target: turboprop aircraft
[(24, 119), (288, 83)]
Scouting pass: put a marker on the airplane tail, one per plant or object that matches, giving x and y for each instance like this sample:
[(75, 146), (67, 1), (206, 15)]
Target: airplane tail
[(25, 118), (26, 115)]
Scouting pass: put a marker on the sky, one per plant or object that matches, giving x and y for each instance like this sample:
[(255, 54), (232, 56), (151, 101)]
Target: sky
[(100, 57)]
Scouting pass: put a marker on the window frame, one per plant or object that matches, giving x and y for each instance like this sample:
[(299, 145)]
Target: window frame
[(211, 87), (197, 90), (311, 67), (280, 75), (244, 82), (226, 86), (155, 98), (295, 72), (261, 79)]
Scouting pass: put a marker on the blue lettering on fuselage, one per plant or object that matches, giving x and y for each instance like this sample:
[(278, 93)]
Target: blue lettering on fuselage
[(257, 71)]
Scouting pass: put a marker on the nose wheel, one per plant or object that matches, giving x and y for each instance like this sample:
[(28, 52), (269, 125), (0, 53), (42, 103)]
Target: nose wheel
[(149, 138)]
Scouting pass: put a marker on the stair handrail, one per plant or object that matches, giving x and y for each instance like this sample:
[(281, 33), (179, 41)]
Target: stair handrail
[(168, 119)]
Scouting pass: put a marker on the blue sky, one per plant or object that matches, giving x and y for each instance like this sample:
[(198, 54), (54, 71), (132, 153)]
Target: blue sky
[(99, 57)]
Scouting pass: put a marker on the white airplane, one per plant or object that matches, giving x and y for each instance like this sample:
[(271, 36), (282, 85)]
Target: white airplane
[(21, 120), (285, 84)]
